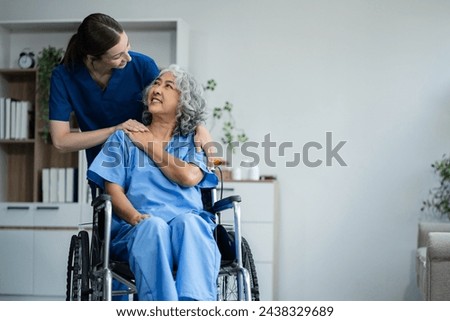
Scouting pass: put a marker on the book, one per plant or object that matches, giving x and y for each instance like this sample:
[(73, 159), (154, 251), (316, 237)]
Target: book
[(75, 184), (16, 106), (61, 185), (53, 185), (12, 124), (70, 179), (2, 117), (25, 111), (7, 118), (46, 185)]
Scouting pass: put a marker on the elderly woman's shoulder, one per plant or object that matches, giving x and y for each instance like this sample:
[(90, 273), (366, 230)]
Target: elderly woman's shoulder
[(118, 135)]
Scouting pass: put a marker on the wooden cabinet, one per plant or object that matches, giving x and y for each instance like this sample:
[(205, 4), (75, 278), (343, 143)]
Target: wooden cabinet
[(17, 157), (23, 159), (259, 217)]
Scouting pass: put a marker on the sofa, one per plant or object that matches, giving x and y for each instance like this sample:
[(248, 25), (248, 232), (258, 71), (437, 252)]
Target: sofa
[(433, 260)]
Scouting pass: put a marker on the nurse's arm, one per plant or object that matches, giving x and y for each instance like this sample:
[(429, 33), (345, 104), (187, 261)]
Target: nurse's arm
[(121, 205), (66, 140)]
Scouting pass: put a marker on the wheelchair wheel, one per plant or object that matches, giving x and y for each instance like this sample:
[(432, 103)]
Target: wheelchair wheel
[(227, 281), (249, 264), (97, 275), (77, 288)]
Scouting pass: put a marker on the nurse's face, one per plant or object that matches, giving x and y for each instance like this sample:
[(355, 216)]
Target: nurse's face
[(164, 96), (117, 56)]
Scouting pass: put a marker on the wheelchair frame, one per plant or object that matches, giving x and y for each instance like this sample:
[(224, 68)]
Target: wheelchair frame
[(90, 271)]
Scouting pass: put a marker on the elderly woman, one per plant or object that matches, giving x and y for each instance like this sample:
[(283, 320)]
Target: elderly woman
[(154, 179)]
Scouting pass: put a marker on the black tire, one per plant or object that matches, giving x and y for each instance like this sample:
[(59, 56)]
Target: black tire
[(249, 264), (77, 288), (227, 281), (70, 268)]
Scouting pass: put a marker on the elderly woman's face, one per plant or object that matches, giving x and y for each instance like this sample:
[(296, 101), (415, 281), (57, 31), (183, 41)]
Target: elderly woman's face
[(163, 96)]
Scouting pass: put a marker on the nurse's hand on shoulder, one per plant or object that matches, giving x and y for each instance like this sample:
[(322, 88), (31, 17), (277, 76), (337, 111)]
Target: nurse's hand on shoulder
[(143, 140), (132, 126)]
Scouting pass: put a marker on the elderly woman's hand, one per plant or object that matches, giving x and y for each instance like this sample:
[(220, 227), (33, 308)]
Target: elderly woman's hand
[(135, 220), (203, 140)]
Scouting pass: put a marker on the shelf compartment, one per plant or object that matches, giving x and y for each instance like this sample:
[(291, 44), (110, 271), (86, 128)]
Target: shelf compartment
[(19, 159)]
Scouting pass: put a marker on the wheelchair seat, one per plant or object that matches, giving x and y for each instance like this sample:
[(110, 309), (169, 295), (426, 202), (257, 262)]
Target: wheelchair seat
[(91, 269)]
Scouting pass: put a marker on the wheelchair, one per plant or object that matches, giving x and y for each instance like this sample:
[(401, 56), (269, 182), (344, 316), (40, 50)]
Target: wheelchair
[(91, 271)]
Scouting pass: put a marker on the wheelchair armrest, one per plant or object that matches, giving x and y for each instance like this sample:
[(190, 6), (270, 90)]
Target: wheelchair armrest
[(225, 203), (99, 200)]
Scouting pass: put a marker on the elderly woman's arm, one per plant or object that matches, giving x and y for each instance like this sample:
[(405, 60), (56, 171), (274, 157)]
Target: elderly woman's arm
[(175, 169), (122, 206)]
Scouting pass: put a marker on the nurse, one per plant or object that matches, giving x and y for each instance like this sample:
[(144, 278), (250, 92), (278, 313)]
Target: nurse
[(154, 178), (101, 80)]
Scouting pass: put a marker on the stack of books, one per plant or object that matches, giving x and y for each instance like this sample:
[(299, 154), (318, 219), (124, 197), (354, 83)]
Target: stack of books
[(15, 118), (60, 185), (66, 184)]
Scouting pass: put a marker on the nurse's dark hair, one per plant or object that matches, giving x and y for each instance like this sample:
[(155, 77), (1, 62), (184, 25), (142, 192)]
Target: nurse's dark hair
[(96, 35), (191, 106)]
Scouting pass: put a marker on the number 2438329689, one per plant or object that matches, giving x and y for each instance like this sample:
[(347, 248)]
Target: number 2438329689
[(295, 311)]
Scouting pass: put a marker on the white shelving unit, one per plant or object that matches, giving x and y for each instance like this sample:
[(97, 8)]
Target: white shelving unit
[(259, 217)]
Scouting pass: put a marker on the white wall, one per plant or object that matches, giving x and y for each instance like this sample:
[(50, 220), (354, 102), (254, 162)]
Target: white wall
[(374, 73)]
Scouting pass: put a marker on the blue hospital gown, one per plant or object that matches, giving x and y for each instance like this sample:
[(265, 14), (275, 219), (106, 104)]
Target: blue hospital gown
[(178, 235)]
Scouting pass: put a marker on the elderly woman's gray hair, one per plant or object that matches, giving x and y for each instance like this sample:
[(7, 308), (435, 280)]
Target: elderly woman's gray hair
[(192, 105)]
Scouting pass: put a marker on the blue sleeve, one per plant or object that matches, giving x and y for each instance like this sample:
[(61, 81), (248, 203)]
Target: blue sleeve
[(112, 162), (210, 179), (59, 105)]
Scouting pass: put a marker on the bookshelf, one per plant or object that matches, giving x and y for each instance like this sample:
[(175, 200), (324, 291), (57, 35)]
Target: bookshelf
[(24, 159)]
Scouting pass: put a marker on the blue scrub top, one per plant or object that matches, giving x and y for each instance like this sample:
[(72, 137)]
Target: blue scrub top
[(147, 188), (75, 90)]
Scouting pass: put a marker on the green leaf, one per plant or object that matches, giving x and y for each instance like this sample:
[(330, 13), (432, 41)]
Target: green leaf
[(228, 106), (225, 113), (47, 59), (211, 85)]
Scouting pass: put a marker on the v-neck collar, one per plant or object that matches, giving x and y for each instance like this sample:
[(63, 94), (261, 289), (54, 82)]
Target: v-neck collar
[(93, 84)]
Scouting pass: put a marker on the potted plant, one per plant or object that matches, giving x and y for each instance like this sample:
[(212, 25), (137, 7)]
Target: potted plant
[(438, 201), (48, 58), (230, 132)]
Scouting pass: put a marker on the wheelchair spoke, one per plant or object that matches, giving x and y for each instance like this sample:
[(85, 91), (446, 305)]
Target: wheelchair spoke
[(228, 277)]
